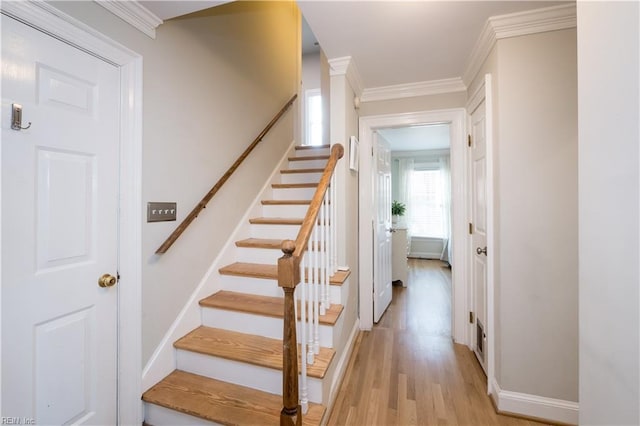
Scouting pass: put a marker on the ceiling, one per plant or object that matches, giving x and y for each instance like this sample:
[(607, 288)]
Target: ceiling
[(417, 138)]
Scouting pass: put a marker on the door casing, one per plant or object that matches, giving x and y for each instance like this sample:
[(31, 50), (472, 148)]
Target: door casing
[(368, 125), (46, 18)]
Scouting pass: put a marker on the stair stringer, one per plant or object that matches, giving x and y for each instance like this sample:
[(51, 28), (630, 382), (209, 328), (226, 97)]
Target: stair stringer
[(164, 359)]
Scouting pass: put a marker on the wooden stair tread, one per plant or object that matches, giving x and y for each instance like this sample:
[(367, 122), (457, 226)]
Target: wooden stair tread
[(266, 243), (222, 402), (285, 202), (293, 171), (294, 185), (270, 272), (309, 158), (261, 305), (248, 348), (276, 221), (306, 147)]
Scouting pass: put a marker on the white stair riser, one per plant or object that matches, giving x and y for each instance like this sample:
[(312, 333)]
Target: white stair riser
[(258, 255), (311, 152), (308, 164), (300, 177), (159, 416), (285, 210), (293, 193), (281, 232), (265, 287), (257, 324), (240, 373)]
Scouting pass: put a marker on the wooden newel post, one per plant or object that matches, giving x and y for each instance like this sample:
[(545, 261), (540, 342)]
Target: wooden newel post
[(288, 279)]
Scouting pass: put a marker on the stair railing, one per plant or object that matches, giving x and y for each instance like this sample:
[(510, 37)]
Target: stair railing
[(212, 192), (312, 257)]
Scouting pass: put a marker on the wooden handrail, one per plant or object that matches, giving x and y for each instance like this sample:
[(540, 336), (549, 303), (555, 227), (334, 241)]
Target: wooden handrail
[(288, 279), (203, 203)]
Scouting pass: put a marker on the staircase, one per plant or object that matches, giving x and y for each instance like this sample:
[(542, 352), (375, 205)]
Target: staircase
[(229, 370)]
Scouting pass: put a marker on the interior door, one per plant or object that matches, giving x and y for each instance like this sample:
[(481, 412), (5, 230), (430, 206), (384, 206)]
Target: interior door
[(479, 231), (59, 231), (382, 288)]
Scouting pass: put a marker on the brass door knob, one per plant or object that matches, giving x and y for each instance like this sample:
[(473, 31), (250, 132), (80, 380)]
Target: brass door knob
[(107, 280)]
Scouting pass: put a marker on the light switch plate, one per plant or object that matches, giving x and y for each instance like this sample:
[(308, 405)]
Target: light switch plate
[(161, 212)]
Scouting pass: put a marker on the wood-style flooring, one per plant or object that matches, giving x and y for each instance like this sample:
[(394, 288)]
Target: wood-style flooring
[(408, 371)]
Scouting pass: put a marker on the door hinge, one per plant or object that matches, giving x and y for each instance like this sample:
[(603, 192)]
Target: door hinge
[(471, 228), (372, 151), (471, 319), (469, 140), (118, 276)]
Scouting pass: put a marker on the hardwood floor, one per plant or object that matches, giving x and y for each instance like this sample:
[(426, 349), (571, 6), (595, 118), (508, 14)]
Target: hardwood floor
[(408, 371)]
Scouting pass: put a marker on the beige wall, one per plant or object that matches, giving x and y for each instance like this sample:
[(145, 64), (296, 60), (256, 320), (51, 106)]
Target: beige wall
[(212, 80), (609, 107), (417, 103), (344, 123), (536, 213)]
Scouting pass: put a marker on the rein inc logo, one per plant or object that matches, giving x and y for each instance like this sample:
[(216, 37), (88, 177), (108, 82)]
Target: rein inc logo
[(17, 421)]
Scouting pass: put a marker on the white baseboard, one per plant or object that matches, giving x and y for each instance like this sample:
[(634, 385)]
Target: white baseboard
[(163, 360), (538, 407), (341, 369), (424, 255)]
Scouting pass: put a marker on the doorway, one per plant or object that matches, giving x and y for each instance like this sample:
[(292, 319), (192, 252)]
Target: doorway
[(368, 126)]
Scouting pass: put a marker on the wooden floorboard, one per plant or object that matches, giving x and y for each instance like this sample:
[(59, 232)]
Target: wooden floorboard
[(311, 147), (408, 371), (222, 402), (261, 305), (248, 348), (294, 185), (297, 171), (309, 157)]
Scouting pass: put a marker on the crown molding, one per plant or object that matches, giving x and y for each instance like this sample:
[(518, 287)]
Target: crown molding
[(515, 25), (134, 14), (408, 90), (346, 66)]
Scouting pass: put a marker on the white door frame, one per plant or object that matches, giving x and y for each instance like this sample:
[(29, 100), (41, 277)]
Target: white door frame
[(459, 300), (483, 93), (46, 18)]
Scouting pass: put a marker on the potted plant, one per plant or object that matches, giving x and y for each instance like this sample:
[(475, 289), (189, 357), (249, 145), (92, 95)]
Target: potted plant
[(397, 209)]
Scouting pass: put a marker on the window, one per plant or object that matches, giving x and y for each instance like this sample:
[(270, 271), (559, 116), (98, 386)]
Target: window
[(313, 117), (427, 202)]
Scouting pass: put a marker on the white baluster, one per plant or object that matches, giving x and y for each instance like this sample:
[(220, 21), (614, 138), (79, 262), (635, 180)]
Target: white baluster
[(316, 296), (321, 264), (310, 304), (304, 387), (325, 253)]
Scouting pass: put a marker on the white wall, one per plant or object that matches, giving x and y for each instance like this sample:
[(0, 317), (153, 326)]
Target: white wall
[(212, 81), (417, 103), (311, 71), (608, 90)]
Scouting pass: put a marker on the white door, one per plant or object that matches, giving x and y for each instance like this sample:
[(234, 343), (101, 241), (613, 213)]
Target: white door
[(479, 231), (382, 289), (59, 231)]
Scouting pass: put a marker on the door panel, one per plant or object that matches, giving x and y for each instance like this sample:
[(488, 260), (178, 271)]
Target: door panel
[(382, 287), (59, 231), (479, 236)]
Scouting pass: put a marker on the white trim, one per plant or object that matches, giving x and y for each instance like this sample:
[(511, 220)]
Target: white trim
[(539, 407), (163, 360), (134, 14), (50, 20), (346, 66), (457, 118), (517, 24), (341, 367), (409, 90)]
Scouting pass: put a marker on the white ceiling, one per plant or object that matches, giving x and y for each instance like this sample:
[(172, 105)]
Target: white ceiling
[(417, 138), (166, 9), (399, 42)]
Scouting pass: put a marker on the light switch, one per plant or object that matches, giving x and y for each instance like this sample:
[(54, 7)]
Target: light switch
[(161, 212)]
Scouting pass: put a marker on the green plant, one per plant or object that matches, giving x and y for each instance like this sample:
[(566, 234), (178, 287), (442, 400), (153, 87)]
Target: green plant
[(398, 208)]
